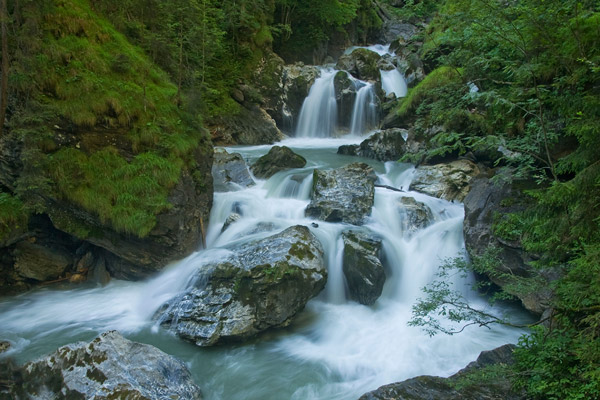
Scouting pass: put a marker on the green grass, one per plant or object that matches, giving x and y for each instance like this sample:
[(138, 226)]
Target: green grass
[(12, 215), (441, 76)]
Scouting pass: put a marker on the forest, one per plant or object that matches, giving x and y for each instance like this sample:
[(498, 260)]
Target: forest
[(106, 104)]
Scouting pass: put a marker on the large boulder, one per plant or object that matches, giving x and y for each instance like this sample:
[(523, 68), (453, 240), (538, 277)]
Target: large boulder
[(41, 263), (250, 125), (493, 387), (230, 172), (362, 63), (486, 202), (386, 145), (343, 195), (414, 215), (109, 367), (261, 285), (362, 265), (279, 158), (449, 181)]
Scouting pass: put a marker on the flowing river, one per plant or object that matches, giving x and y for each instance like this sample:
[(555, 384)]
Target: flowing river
[(336, 348)]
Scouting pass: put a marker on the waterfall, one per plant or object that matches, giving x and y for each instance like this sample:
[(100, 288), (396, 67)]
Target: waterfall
[(392, 81), (318, 115), (364, 112)]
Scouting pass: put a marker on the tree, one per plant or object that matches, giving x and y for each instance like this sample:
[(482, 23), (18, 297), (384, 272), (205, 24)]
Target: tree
[(5, 63)]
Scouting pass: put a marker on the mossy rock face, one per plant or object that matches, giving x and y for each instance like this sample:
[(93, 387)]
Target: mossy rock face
[(279, 158), (108, 367), (361, 63), (262, 285)]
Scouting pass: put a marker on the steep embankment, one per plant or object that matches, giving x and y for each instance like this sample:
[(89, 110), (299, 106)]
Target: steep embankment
[(99, 167)]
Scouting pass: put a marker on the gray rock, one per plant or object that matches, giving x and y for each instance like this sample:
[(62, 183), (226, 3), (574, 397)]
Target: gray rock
[(362, 266), (386, 145), (394, 29), (343, 195), (297, 80), (487, 200), (433, 387), (262, 285), (279, 158), (250, 125), (108, 367), (41, 263), (449, 181), (232, 218), (345, 94), (230, 172), (414, 215)]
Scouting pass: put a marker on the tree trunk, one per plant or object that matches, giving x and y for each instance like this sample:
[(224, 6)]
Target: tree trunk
[(4, 77)]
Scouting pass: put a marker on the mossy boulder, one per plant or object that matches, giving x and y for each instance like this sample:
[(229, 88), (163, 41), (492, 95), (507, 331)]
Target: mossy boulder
[(109, 367), (385, 145), (449, 181), (262, 285), (343, 195), (279, 158), (361, 63), (362, 265)]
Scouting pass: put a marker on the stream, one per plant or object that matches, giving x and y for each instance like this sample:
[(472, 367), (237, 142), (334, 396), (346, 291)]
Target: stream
[(335, 348)]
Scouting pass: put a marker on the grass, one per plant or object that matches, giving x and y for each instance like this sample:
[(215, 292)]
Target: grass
[(12, 215)]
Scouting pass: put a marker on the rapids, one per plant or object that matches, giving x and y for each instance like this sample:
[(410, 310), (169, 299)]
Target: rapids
[(335, 349)]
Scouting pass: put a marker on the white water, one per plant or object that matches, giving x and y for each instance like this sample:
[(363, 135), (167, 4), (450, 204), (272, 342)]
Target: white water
[(335, 349), (364, 112), (318, 115), (392, 81)]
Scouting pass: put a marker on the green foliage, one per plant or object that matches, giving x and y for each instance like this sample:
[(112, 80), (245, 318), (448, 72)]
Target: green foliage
[(127, 195), (13, 215)]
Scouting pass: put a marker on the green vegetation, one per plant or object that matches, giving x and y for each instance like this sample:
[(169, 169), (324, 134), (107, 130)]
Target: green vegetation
[(536, 66), (12, 215)]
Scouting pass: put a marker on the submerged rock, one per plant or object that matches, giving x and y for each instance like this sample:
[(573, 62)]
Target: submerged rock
[(231, 219), (230, 172), (446, 181), (109, 367), (362, 266), (279, 158), (343, 195), (262, 285), (414, 215), (493, 387)]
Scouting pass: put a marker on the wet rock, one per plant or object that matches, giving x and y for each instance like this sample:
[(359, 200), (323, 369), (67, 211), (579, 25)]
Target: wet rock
[(251, 125), (386, 145), (361, 63), (4, 346), (449, 181), (41, 263), (493, 387), (230, 172), (393, 29), (345, 94), (261, 285), (279, 158), (108, 367), (362, 265), (231, 219), (343, 195), (484, 203), (414, 215)]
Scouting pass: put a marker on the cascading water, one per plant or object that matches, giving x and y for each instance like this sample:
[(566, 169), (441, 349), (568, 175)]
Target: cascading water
[(392, 81), (318, 115), (364, 112), (335, 349)]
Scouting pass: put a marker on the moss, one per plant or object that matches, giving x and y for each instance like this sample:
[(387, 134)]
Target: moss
[(301, 251), (13, 215), (441, 76)]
